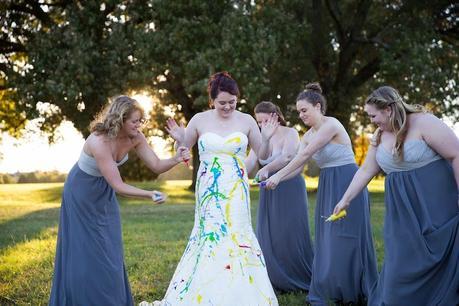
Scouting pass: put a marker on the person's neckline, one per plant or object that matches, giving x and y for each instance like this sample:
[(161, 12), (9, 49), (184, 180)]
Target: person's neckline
[(223, 136), (404, 143), (124, 157)]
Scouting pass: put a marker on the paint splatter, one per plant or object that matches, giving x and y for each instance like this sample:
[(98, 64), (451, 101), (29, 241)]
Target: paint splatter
[(222, 235)]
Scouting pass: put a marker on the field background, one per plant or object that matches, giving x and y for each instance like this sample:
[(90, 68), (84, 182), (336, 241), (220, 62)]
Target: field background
[(154, 238)]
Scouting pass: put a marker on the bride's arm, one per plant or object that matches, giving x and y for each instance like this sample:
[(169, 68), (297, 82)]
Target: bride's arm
[(251, 162), (185, 137)]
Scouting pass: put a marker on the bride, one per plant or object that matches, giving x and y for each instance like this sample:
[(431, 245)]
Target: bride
[(222, 263)]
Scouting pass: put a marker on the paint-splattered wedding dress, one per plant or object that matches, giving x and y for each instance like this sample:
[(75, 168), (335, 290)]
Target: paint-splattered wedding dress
[(222, 263)]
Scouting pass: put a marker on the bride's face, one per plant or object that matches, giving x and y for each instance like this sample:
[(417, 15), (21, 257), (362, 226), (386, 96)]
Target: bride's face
[(225, 104)]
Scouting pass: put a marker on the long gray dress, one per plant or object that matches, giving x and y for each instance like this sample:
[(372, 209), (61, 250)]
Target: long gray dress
[(344, 268), (89, 266), (283, 234), (421, 230)]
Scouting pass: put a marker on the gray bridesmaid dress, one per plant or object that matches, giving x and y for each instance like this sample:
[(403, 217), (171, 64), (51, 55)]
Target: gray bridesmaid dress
[(89, 265), (283, 233), (421, 230), (344, 268)]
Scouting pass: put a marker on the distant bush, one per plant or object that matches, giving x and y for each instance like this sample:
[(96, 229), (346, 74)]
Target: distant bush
[(179, 172), (40, 177), (7, 179)]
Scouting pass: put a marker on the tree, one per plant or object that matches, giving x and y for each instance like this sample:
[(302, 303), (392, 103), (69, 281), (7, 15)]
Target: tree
[(355, 46), (350, 47), (193, 40), (74, 55)]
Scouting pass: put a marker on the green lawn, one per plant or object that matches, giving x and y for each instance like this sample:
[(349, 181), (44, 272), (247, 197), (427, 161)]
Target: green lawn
[(154, 238)]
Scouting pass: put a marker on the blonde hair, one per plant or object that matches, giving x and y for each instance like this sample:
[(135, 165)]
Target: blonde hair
[(386, 96), (112, 117)]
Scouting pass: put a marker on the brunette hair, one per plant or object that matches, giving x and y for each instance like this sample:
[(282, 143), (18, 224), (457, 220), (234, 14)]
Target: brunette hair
[(266, 107), (313, 94), (221, 81)]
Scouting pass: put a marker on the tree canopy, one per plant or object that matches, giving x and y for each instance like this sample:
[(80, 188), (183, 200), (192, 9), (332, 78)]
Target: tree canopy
[(62, 60)]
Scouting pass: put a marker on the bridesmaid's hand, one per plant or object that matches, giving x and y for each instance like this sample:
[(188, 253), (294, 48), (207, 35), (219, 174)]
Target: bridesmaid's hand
[(182, 155), (262, 174), (158, 197), (269, 126), (272, 182), (175, 131), (342, 205)]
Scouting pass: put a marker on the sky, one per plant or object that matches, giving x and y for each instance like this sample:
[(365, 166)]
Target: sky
[(32, 152)]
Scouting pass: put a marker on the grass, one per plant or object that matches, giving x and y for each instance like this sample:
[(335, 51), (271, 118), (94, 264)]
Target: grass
[(154, 238)]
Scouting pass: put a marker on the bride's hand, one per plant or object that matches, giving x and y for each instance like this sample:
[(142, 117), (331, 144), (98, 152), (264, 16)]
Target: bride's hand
[(269, 126), (175, 131)]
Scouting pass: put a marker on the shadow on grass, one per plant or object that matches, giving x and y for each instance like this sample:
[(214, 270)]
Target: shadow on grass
[(4, 301), (50, 195), (27, 227), (18, 196)]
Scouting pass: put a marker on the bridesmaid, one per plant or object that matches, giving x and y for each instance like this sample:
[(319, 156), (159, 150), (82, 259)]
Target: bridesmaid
[(282, 221), (89, 266), (344, 267), (420, 156)]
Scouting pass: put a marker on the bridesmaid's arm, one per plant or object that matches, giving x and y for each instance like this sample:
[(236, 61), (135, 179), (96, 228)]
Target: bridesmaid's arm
[(292, 174), (289, 149), (151, 160), (442, 140), (258, 142), (323, 136), (102, 154), (361, 179)]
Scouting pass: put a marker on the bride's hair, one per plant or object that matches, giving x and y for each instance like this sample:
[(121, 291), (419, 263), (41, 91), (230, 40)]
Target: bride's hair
[(112, 117), (221, 81)]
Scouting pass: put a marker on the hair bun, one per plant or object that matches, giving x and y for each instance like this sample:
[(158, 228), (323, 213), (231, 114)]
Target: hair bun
[(222, 74), (314, 87)]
